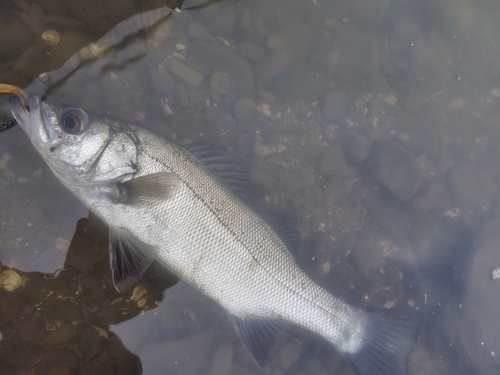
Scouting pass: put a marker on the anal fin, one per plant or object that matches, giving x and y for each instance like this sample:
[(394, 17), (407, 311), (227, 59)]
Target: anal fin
[(259, 336)]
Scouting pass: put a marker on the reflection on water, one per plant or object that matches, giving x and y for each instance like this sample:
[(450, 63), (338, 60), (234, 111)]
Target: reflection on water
[(375, 121)]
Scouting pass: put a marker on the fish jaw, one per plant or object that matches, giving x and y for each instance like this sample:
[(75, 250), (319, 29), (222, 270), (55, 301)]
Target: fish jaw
[(35, 120)]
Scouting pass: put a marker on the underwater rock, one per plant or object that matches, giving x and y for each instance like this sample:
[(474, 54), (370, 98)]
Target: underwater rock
[(332, 161), (470, 186), (396, 169)]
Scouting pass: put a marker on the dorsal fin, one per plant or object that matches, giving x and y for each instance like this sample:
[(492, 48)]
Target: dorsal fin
[(228, 168)]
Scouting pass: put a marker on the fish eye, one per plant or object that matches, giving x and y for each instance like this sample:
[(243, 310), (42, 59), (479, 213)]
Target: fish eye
[(73, 120)]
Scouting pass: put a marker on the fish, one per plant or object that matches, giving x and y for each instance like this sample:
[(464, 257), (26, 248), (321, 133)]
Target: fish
[(188, 208)]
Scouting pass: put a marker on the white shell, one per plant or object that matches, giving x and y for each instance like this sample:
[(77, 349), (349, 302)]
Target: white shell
[(51, 37), (10, 280)]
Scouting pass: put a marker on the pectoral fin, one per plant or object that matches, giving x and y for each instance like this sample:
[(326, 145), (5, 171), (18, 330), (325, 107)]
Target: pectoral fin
[(151, 188), (259, 336), (128, 258)]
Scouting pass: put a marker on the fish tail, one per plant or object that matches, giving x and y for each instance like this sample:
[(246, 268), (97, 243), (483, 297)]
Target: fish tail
[(389, 339)]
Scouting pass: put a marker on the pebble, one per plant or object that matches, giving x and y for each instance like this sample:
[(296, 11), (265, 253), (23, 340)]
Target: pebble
[(66, 311), (222, 83), (26, 331), (368, 13), (366, 255), (455, 103), (35, 212), (251, 51), (31, 62), (358, 147), (243, 110), (300, 179), (436, 197), (300, 82), (332, 161), (287, 45), (336, 105), (263, 180), (62, 21), (359, 51), (265, 96), (162, 81), (223, 358), (71, 42), (200, 32), (60, 335), (184, 72), (227, 61), (470, 186), (15, 39), (187, 355), (479, 318), (90, 343), (396, 169), (288, 355), (222, 23)]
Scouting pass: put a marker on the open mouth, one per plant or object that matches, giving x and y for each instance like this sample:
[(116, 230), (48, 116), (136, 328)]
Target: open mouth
[(29, 114)]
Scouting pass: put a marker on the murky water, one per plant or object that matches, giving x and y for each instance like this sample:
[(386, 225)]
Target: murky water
[(376, 122)]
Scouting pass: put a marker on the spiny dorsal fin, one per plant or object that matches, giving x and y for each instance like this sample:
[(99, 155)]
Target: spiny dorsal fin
[(228, 168)]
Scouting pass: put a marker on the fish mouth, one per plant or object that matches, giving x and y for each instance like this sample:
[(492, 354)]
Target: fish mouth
[(31, 114)]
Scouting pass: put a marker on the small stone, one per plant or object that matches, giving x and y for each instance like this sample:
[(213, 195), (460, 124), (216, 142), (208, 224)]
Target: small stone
[(244, 110), (222, 83), (55, 19), (71, 42), (455, 104), (60, 335), (16, 38), (162, 81), (332, 161), (200, 32), (252, 51), (300, 179), (336, 105), (30, 62), (470, 186), (265, 96), (184, 72), (137, 293), (366, 255), (26, 331), (358, 147), (396, 169), (263, 180)]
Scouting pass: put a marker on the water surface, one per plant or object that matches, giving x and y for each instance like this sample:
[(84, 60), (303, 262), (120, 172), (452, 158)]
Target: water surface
[(376, 122)]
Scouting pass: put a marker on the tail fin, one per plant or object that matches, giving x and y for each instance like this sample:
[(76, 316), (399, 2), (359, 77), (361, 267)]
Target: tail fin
[(389, 339)]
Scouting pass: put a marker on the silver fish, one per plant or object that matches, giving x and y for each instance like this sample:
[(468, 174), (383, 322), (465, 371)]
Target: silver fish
[(183, 207)]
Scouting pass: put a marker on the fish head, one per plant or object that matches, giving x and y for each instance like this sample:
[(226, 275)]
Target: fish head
[(81, 147)]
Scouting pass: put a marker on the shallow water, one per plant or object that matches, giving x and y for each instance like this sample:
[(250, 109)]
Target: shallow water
[(376, 122)]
